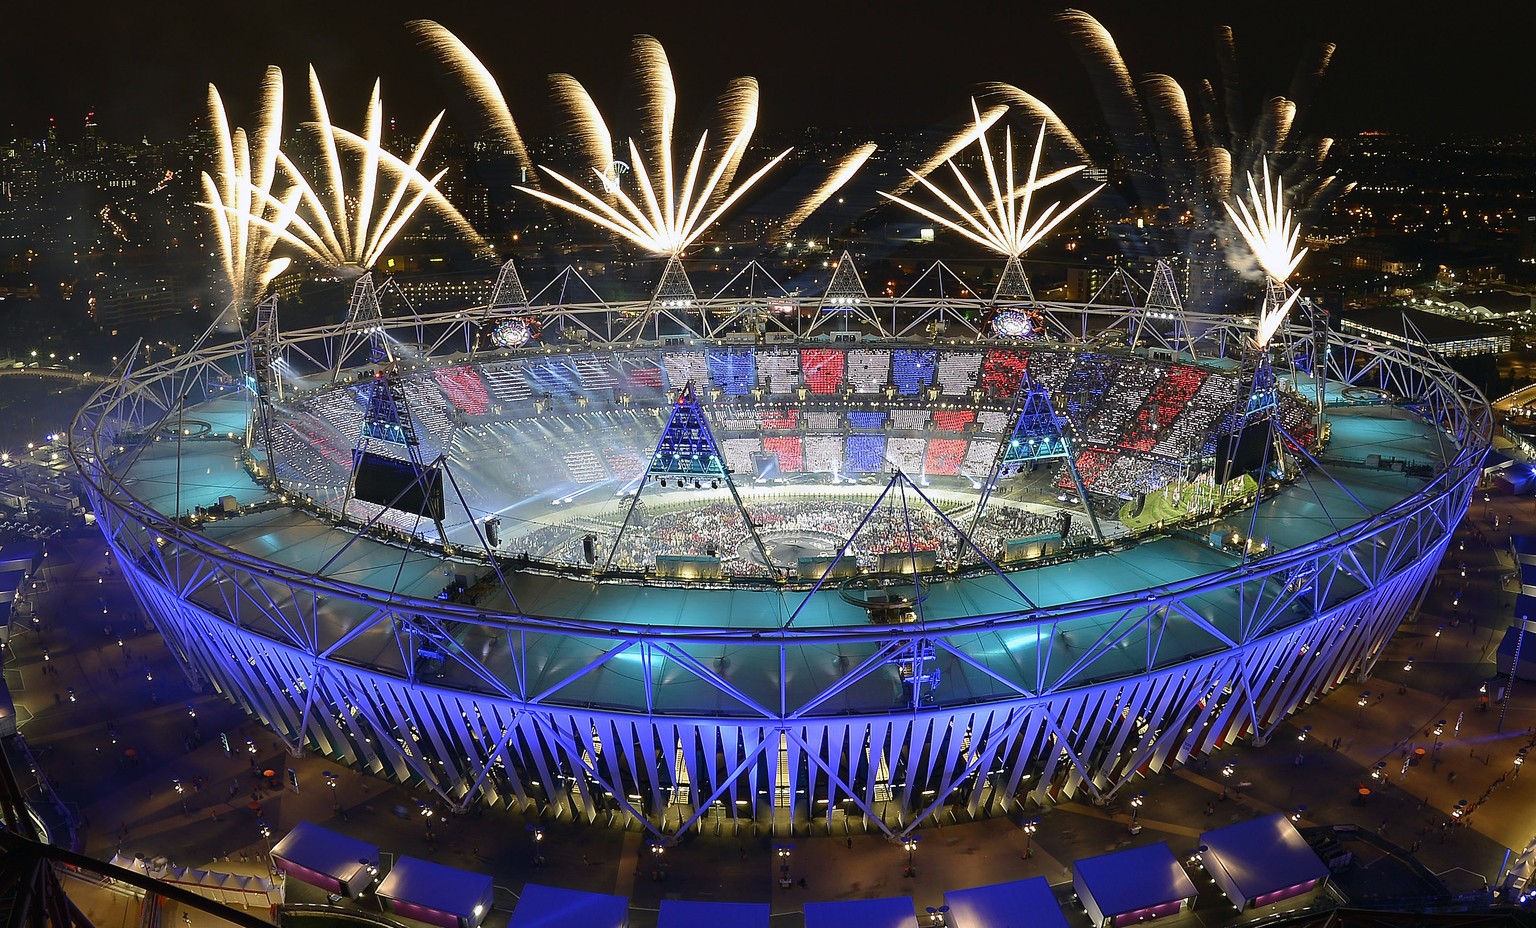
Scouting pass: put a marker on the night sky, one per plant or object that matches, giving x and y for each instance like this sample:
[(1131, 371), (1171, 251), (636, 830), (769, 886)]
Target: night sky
[(1414, 65)]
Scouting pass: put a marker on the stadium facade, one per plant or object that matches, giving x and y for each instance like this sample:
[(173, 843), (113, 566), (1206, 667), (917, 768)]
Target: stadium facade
[(867, 615)]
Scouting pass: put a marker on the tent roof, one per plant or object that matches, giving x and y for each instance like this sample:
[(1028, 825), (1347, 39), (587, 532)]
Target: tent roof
[(676, 913), (1262, 855), (890, 912), (324, 851), (1125, 881), (436, 886), (551, 907), (1006, 905)]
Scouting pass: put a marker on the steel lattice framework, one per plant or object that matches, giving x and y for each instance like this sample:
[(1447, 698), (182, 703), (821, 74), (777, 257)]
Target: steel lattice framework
[(771, 721)]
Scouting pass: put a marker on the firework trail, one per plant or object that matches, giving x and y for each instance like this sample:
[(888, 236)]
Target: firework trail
[(1179, 151), (477, 80), (584, 122), (956, 144), (840, 176)]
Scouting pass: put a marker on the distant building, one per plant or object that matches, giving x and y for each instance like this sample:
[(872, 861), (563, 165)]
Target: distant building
[(1377, 255), (138, 300), (447, 289), (1415, 328)]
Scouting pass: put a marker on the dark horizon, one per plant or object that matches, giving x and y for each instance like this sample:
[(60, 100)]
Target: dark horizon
[(905, 66)]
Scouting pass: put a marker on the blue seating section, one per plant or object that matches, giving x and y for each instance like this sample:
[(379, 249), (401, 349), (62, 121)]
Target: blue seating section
[(912, 370), (865, 454), (734, 372)]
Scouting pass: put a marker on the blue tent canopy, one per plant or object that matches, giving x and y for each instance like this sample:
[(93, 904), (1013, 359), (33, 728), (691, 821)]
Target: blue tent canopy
[(1020, 902), (325, 858), (676, 913), (427, 891), (552, 907), (890, 912), (1260, 858), (1131, 880)]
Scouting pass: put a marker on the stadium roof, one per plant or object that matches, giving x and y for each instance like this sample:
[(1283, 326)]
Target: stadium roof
[(1300, 514)]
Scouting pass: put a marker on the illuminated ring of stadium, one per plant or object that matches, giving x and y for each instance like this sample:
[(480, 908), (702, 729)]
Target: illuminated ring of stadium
[(666, 701)]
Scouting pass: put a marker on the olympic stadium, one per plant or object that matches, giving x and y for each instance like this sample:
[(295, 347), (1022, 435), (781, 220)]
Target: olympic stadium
[(800, 560)]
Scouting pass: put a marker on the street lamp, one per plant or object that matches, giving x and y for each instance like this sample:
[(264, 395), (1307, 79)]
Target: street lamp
[(1362, 702), (1298, 812), (330, 780), (910, 843), (1438, 630), (1519, 761), (1136, 803), (936, 915), (536, 833), (266, 837), (783, 851), (1030, 827)]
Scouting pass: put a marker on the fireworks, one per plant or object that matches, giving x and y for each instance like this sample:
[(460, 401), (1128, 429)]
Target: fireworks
[(246, 217), (1272, 234), (1269, 228), (1182, 149), (1003, 225), (346, 231), (348, 222), (673, 209)]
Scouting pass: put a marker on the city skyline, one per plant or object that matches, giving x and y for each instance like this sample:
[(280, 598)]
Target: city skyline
[(906, 68)]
